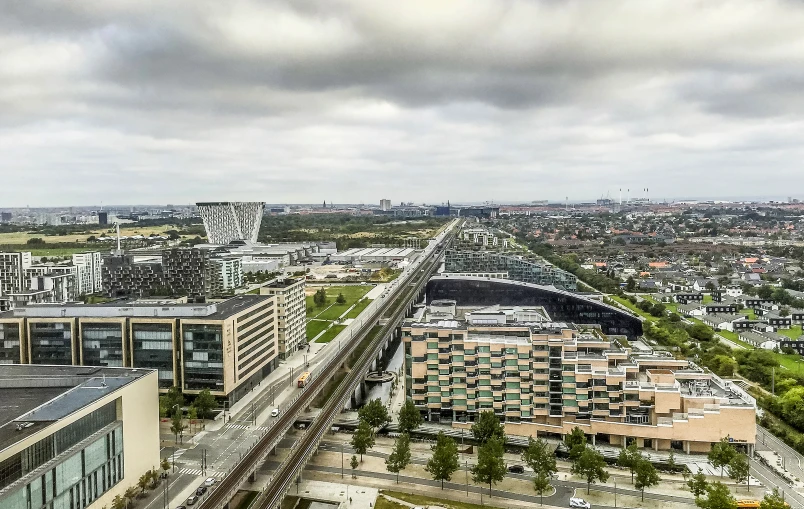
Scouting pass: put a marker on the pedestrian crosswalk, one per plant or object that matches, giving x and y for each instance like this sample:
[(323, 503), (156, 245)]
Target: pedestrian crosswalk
[(198, 471), (176, 454), (246, 426)]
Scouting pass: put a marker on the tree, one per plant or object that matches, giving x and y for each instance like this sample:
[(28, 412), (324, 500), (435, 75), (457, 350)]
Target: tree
[(400, 455), (177, 426), (118, 502), (763, 292), (646, 476), (409, 417), (363, 439), (490, 467), (701, 332), (717, 497), (192, 416), (353, 464), (374, 414), (539, 457), (591, 466), (697, 483), (739, 469), (341, 299), (174, 397), (773, 500), (129, 495), (142, 482), (541, 483), (204, 402), (629, 458), (165, 465), (721, 454), (575, 443), (671, 461), (630, 284), (444, 461), (486, 426), (320, 297)]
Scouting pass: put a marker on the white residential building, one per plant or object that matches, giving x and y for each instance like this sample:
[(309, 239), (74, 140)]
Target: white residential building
[(12, 272), (291, 310), (89, 276), (226, 274)]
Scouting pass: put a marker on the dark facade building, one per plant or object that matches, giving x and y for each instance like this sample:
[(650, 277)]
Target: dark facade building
[(689, 298), (103, 218), (712, 309), (186, 271), (5, 217), (561, 305), (516, 268), (122, 276)]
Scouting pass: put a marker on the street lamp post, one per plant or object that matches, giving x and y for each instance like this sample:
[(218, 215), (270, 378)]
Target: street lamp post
[(341, 460)]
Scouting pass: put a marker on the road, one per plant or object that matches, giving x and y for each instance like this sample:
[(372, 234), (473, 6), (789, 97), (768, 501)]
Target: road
[(260, 440)]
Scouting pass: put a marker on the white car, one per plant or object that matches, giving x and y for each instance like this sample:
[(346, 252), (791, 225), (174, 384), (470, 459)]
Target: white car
[(275, 412), (210, 481), (580, 503)]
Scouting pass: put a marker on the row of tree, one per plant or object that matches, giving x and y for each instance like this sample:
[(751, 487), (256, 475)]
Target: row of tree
[(172, 405), (148, 480)]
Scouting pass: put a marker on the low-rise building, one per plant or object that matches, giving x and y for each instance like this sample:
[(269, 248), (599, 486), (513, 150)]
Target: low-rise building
[(227, 347), (73, 438), (545, 378)]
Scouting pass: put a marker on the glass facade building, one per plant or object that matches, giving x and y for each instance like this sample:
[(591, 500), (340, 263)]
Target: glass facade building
[(102, 344), (153, 348), (203, 357), (10, 343), (517, 268), (51, 343)]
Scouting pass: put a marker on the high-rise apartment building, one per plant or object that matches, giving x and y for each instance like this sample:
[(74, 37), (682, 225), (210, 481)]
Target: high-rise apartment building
[(385, 205), (227, 347), (542, 377), (225, 274), (228, 221), (291, 313), (12, 272), (72, 438), (185, 271), (89, 272)]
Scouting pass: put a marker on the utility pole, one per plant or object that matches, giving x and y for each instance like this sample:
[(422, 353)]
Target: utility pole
[(341, 460)]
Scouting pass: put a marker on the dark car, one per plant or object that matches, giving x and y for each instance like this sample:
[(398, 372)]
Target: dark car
[(200, 491), (516, 469)]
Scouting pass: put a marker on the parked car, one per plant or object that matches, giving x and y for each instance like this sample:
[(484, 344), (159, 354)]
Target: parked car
[(579, 503), (516, 469), (191, 500), (201, 490), (209, 482), (275, 412)]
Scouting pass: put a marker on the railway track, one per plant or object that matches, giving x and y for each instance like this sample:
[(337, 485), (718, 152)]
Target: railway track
[(289, 470)]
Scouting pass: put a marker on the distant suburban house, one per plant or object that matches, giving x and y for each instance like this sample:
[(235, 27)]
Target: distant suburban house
[(688, 298), (722, 322), (700, 284)]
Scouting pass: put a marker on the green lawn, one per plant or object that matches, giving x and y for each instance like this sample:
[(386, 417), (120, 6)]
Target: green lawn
[(359, 307), (352, 293), (314, 327), (707, 299), (330, 334), (65, 251), (749, 313), (627, 303), (793, 332)]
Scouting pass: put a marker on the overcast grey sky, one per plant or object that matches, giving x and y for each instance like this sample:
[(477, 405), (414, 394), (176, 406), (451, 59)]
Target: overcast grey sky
[(150, 101)]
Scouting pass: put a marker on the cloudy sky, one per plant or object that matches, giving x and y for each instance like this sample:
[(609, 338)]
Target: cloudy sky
[(150, 101)]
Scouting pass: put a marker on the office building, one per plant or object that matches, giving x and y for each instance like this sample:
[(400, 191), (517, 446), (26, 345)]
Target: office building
[(103, 218), (227, 347), (385, 205), (228, 221), (89, 272), (545, 378), (12, 272), (291, 313), (5, 217), (72, 438)]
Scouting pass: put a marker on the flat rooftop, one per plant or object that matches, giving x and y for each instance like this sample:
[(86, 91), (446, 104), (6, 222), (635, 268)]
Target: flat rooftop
[(36, 396), (168, 309)]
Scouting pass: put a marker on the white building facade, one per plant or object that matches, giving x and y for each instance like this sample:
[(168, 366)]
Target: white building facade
[(89, 275)]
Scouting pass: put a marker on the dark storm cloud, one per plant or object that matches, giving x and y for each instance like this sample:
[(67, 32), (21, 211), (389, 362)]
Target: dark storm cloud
[(476, 100)]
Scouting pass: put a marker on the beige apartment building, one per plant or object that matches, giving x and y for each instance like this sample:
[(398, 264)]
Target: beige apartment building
[(72, 438), (545, 378), (227, 347), (291, 314)]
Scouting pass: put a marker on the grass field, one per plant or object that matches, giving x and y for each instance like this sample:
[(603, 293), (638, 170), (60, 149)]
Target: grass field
[(793, 332), (23, 237), (314, 327), (330, 334), (384, 503), (331, 311), (359, 307)]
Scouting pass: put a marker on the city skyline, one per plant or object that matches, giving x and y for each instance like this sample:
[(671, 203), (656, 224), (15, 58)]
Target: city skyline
[(257, 101)]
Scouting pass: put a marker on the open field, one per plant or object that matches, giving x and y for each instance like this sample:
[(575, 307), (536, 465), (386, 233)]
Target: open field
[(330, 334), (24, 237), (314, 328)]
